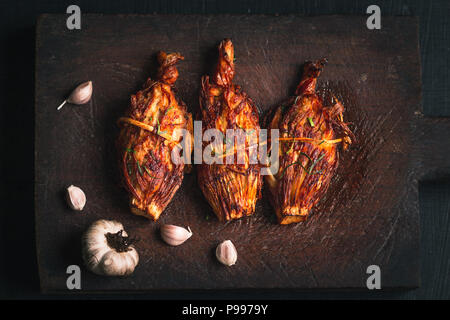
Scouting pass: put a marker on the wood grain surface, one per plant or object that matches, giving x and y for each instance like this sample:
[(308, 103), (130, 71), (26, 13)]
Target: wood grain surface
[(371, 213)]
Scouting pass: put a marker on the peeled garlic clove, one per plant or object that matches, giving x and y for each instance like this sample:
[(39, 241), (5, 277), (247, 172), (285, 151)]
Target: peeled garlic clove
[(81, 95), (174, 235), (226, 253), (76, 198)]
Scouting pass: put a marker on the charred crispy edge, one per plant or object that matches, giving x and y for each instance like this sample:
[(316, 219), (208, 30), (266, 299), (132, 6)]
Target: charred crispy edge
[(311, 71), (167, 71), (288, 219), (338, 123), (146, 214), (143, 213), (225, 66), (284, 217)]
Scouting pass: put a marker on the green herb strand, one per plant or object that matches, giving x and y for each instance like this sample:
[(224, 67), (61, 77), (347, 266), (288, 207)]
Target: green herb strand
[(148, 172), (299, 163), (304, 154), (158, 131), (315, 162), (168, 109), (308, 171), (129, 151), (139, 167), (291, 148)]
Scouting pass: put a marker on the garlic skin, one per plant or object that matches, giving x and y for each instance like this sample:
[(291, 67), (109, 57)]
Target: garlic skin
[(81, 95), (76, 198), (226, 253), (174, 235), (100, 256)]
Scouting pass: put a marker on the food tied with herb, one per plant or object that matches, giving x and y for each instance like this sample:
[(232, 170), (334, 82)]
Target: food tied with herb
[(310, 133), (231, 189), (150, 130)]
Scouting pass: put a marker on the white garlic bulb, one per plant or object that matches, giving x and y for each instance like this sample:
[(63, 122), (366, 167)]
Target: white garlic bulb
[(174, 235), (226, 253), (81, 95), (107, 249), (76, 198)]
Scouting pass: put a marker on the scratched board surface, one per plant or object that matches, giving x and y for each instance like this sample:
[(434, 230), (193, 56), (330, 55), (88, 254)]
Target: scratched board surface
[(369, 216)]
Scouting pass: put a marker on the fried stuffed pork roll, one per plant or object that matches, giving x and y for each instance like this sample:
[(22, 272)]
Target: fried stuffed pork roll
[(310, 135), (148, 135), (231, 189)]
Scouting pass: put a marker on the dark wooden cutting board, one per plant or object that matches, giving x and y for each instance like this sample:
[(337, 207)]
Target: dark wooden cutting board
[(370, 215)]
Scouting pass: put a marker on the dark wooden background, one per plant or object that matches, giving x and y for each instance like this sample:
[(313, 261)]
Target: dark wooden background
[(18, 273)]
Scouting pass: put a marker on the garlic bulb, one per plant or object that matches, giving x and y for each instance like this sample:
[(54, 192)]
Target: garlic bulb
[(76, 198), (175, 235), (81, 95), (107, 249), (226, 253)]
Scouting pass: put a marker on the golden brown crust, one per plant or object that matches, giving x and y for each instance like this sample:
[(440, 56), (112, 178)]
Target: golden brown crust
[(306, 168), (231, 189), (145, 155)]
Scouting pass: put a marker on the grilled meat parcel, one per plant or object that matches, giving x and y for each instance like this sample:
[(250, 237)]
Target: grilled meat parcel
[(310, 133), (149, 133), (231, 189)]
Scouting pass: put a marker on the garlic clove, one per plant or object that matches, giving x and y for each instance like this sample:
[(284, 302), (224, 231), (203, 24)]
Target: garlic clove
[(76, 198), (81, 95), (174, 235), (226, 253)]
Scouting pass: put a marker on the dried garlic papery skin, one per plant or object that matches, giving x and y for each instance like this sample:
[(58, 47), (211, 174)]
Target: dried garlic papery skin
[(175, 235), (75, 198), (226, 253), (108, 250), (81, 95)]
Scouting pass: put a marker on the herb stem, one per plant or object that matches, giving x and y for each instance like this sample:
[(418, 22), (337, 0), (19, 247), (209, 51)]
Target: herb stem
[(139, 167), (290, 149), (148, 172), (315, 162), (298, 162), (168, 109), (308, 171)]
